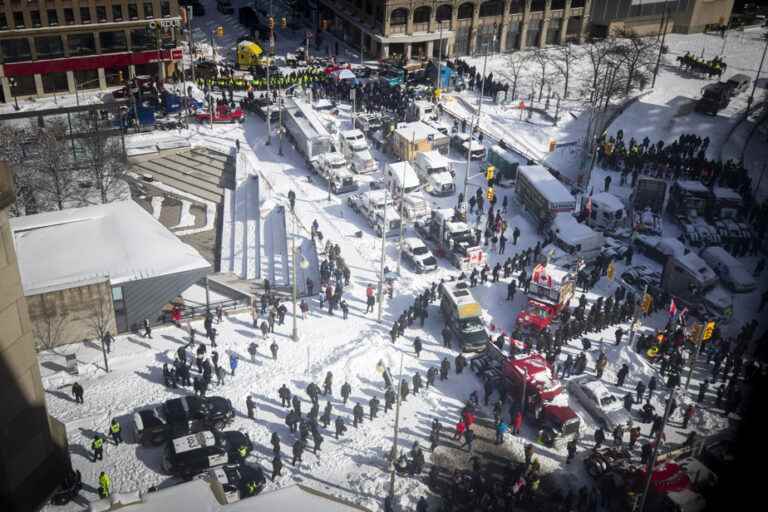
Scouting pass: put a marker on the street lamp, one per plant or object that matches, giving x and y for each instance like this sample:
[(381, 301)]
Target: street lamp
[(304, 264), (383, 369), (12, 82), (281, 130)]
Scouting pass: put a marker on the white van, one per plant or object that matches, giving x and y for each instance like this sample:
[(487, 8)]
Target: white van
[(730, 270), (434, 171), (607, 212), (575, 238), (400, 178)]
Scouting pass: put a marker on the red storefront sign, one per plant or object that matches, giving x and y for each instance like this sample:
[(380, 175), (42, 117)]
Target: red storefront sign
[(110, 61)]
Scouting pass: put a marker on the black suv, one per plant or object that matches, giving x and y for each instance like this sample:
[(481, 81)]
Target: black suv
[(189, 455), (180, 416), (234, 482)]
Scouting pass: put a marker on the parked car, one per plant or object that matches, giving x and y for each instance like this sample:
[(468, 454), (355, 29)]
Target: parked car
[(659, 248), (233, 482), (462, 143), (614, 248), (194, 453), (640, 276), (730, 270), (180, 416), (419, 255), (603, 406)]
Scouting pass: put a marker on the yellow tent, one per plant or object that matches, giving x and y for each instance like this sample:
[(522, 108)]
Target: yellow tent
[(248, 54)]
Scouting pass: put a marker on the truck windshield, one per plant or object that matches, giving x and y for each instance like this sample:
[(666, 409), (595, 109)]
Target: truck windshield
[(436, 170), (607, 400), (418, 251), (471, 325), (394, 224), (339, 164), (462, 236)]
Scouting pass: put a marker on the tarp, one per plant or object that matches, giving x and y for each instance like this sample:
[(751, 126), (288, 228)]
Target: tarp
[(249, 47)]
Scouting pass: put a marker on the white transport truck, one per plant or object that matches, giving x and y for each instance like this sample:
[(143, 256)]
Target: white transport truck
[(400, 179), (354, 147), (434, 171), (372, 206), (452, 238), (306, 129), (334, 169)]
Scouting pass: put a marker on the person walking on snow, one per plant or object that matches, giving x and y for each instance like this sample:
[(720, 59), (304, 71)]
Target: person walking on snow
[(115, 431), (233, 360)]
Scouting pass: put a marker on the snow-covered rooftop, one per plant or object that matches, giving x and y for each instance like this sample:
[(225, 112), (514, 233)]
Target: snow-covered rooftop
[(697, 266), (607, 201), (119, 240), (417, 131), (549, 186), (570, 230), (694, 187)]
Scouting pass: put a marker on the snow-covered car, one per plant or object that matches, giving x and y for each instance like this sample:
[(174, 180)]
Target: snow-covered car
[(615, 248), (658, 248), (234, 482), (462, 143), (698, 233), (419, 255), (189, 455), (730, 270), (179, 416), (603, 406), (639, 276)]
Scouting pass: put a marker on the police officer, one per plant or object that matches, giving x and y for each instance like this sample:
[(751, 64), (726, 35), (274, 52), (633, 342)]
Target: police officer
[(98, 448), (104, 485), (277, 466), (340, 427), (114, 430)]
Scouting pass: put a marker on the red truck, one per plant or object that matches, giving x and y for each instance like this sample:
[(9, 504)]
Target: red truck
[(528, 376), (222, 114), (550, 291)]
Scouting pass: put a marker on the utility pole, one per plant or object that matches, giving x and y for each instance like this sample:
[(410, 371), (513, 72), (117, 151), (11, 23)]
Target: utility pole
[(652, 462), (634, 318), (280, 128), (699, 340), (757, 78), (104, 353), (295, 289), (476, 123), (402, 204), (381, 271), (393, 454), (663, 30), (190, 15)]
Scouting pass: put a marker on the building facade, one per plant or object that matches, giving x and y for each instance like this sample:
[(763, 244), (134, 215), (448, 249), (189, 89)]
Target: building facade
[(645, 16), (57, 46), (421, 29), (33, 454)]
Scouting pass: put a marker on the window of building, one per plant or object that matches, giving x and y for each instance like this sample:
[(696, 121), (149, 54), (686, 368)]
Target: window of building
[(149, 10), (516, 6), (101, 13), (117, 13), (86, 79), (81, 44), (577, 3), (558, 4), (69, 16), (18, 19), (537, 5), (491, 8), (49, 47), (3, 21), (466, 11), (398, 17), (34, 17), (133, 11), (85, 15), (141, 39), (116, 76), (53, 17), (22, 85), (55, 82), (15, 50), (165, 8), (113, 41)]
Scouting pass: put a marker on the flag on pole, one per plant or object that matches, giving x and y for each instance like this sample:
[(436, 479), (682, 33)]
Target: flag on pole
[(683, 313), (672, 308)]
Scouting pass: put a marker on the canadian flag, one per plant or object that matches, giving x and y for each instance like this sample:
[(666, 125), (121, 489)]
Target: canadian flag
[(672, 308)]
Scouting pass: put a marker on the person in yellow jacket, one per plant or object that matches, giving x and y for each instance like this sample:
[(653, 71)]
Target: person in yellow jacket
[(98, 448), (115, 431), (242, 451), (105, 485)]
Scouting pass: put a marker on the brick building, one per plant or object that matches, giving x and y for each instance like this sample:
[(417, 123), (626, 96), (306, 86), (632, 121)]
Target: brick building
[(645, 16), (52, 46), (417, 28)]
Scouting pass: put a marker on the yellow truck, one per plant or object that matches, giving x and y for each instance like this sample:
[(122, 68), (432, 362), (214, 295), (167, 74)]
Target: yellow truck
[(249, 54)]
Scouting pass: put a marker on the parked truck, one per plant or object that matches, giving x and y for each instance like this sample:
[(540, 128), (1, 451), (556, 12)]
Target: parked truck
[(714, 97), (550, 291), (453, 239), (648, 204), (305, 128), (372, 206), (354, 146), (527, 376), (334, 169), (433, 169), (463, 315)]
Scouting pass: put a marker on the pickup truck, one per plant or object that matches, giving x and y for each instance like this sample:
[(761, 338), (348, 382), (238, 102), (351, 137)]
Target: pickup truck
[(179, 416)]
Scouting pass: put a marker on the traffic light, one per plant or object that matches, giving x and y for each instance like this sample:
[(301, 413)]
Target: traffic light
[(709, 328), (120, 76), (647, 303), (283, 23), (490, 194), (610, 271), (489, 172), (271, 23), (219, 31)]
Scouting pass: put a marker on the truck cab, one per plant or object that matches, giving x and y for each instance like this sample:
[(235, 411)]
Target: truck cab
[(354, 147), (462, 314), (434, 171), (400, 179), (334, 168), (420, 110), (454, 239), (550, 291)]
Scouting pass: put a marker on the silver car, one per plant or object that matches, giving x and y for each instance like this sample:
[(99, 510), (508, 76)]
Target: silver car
[(603, 406)]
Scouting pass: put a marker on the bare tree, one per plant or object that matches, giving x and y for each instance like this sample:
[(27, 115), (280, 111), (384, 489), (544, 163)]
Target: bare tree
[(515, 65), (597, 52), (541, 58), (638, 55), (564, 59), (103, 161), (14, 142), (52, 164), (100, 318), (48, 329)]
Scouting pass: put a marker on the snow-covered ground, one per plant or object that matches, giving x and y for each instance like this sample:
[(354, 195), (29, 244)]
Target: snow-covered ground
[(354, 466)]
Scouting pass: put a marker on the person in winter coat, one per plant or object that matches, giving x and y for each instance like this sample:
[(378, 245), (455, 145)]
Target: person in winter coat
[(622, 374), (416, 380), (250, 404), (97, 445), (640, 389), (298, 451), (571, 447), (340, 427), (346, 390), (285, 395), (389, 399), (404, 390), (115, 431), (501, 429), (517, 423), (634, 435), (628, 401), (460, 428), (373, 407), (600, 365), (469, 438), (264, 328), (357, 413), (461, 363), (417, 347), (77, 392), (292, 419), (277, 466), (328, 384), (431, 375), (599, 438), (275, 441), (528, 453), (370, 299), (651, 387), (147, 329), (690, 410), (233, 360), (445, 367)]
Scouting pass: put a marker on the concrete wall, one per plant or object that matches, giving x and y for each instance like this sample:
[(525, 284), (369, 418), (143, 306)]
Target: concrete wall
[(701, 13), (31, 463), (67, 316)]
